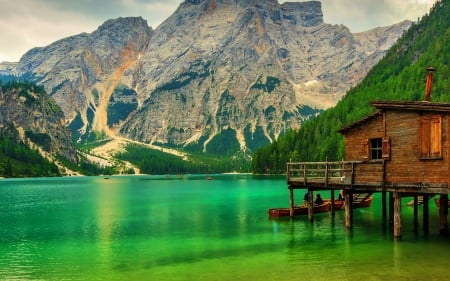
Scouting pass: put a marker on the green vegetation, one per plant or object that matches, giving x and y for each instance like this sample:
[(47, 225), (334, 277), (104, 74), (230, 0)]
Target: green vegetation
[(122, 103), (400, 75), (152, 161), (17, 160), (269, 86), (224, 143)]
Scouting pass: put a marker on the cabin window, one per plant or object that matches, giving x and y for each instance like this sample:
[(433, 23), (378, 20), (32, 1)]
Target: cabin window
[(431, 137), (376, 148)]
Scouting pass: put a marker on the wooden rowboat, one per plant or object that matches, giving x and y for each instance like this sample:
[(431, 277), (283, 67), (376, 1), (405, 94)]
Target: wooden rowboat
[(363, 202), (437, 201), (338, 204), (299, 210)]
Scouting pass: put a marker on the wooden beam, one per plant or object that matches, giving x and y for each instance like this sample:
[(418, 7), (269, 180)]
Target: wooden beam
[(310, 205), (443, 212), (291, 201), (426, 213), (416, 213), (333, 210), (348, 196), (397, 215)]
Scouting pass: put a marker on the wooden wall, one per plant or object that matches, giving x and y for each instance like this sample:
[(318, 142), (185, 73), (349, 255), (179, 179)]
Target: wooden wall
[(405, 165)]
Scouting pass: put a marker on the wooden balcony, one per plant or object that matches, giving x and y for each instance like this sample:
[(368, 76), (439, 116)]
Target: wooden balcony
[(355, 175), (360, 176)]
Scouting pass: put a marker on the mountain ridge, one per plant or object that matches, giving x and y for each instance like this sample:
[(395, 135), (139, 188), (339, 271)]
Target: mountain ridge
[(252, 69)]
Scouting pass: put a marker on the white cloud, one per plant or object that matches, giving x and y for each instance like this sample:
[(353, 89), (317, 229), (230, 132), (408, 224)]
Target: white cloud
[(25, 24)]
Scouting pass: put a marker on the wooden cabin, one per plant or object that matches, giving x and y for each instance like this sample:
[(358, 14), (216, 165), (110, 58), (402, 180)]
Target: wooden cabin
[(410, 142), (403, 148)]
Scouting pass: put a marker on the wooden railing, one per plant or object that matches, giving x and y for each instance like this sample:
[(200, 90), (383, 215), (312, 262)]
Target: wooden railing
[(335, 173)]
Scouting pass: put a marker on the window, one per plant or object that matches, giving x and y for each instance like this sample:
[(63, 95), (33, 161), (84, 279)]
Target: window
[(430, 137), (376, 148)]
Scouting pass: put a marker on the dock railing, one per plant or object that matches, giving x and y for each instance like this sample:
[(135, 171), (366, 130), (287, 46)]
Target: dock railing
[(338, 173)]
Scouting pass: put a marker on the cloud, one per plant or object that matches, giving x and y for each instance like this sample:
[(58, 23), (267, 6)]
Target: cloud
[(25, 24), (35, 23), (363, 15)]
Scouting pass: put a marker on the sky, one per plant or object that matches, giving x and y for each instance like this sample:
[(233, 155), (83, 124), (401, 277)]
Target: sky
[(25, 24)]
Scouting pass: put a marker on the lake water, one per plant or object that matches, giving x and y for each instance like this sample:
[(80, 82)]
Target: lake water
[(189, 228)]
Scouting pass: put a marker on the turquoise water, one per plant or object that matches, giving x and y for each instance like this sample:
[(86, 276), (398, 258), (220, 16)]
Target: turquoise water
[(189, 228)]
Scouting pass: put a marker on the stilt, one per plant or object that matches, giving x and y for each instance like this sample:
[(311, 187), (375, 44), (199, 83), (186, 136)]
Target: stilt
[(383, 206), (310, 205), (348, 196), (425, 214), (291, 201), (397, 215), (391, 209), (443, 212), (333, 210), (416, 213)]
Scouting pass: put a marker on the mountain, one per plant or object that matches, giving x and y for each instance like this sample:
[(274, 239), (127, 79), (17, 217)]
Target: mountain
[(31, 117), (216, 76), (399, 76)]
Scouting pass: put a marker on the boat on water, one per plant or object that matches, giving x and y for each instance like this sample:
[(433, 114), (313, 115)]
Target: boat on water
[(437, 201), (338, 204), (359, 201), (362, 200), (299, 210)]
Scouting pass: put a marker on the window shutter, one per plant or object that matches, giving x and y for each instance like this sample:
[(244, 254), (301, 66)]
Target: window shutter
[(435, 137), (386, 149), (365, 149), (424, 136)]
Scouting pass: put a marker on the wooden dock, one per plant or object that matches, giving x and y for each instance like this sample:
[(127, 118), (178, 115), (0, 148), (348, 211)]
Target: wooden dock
[(365, 177)]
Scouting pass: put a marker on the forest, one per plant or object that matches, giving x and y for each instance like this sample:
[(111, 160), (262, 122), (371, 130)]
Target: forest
[(400, 75)]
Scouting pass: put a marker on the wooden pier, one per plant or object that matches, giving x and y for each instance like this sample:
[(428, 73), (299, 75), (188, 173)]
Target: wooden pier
[(365, 177)]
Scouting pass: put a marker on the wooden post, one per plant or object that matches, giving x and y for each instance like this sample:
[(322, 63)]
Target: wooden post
[(383, 206), (391, 208), (416, 213), (333, 211), (425, 214), (348, 197), (443, 212), (383, 183), (397, 215), (291, 201), (310, 205)]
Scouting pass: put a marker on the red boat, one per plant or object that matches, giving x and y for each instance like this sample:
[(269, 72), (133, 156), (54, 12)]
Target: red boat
[(338, 204), (438, 202), (362, 202), (299, 210)]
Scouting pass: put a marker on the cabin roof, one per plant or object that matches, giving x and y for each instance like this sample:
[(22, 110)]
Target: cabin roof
[(359, 122), (412, 105), (398, 105)]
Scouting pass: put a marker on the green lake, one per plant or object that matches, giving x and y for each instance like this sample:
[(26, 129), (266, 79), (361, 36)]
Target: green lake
[(189, 228)]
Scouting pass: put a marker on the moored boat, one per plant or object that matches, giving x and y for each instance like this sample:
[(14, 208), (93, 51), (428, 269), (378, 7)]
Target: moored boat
[(338, 204), (437, 201), (299, 210), (362, 202)]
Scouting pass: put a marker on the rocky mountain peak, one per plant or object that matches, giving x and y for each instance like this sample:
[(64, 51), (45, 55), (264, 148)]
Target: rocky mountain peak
[(214, 71)]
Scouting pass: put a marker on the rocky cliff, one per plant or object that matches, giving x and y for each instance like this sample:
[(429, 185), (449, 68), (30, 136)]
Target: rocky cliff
[(214, 69), (34, 118)]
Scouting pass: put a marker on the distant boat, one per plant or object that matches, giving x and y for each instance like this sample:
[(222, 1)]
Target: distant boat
[(209, 178)]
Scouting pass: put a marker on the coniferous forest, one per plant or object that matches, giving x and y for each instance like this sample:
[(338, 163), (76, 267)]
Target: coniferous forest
[(400, 75)]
